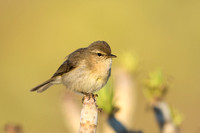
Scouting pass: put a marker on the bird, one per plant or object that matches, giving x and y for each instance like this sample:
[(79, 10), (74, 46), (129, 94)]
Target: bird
[(85, 71)]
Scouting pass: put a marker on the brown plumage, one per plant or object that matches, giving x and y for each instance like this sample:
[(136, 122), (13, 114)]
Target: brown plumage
[(85, 70)]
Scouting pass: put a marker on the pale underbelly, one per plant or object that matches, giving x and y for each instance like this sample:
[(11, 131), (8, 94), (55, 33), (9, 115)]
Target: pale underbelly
[(81, 80)]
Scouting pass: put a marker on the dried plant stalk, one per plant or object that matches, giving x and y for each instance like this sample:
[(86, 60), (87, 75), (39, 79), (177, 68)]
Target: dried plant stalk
[(89, 115)]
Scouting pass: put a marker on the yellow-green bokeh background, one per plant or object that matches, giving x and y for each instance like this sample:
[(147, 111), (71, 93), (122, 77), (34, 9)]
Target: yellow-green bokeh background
[(35, 36)]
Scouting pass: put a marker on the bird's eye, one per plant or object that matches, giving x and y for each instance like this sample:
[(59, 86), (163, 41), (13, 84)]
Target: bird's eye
[(99, 54)]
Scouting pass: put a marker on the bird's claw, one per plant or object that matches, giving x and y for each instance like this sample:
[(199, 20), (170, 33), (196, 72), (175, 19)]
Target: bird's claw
[(89, 96)]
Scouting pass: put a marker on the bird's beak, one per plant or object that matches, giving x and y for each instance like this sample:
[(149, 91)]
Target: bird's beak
[(112, 56)]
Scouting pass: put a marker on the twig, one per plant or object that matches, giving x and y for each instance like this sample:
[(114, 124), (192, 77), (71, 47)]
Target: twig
[(89, 115)]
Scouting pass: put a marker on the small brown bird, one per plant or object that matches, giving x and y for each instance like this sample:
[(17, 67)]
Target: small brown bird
[(85, 71)]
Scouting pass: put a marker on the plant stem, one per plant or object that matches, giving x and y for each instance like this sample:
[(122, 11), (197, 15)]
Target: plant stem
[(89, 115)]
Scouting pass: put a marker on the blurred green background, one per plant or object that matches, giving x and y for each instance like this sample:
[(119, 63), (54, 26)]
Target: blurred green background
[(35, 36)]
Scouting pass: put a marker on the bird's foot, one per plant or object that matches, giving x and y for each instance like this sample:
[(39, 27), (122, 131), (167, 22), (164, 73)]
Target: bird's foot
[(89, 95)]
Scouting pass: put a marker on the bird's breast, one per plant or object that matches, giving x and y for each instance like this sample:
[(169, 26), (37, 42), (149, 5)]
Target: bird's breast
[(89, 80), (101, 70)]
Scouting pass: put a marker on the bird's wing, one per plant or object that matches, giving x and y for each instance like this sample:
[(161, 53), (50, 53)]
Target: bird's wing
[(71, 62), (64, 68)]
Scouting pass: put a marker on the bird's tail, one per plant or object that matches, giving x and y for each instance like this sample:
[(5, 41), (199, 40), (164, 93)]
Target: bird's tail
[(42, 87)]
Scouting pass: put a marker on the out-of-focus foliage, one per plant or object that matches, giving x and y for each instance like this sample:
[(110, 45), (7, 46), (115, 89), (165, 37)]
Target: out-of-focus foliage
[(105, 100), (156, 86), (128, 61), (177, 117)]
